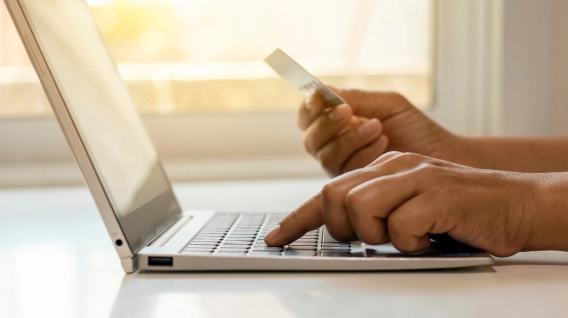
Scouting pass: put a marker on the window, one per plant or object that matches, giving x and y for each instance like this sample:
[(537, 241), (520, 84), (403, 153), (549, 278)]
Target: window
[(213, 108), (198, 56)]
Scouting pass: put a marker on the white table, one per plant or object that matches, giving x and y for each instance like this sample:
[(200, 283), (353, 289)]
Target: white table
[(56, 260)]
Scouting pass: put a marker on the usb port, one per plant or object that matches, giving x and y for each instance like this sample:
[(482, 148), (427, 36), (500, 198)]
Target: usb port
[(160, 261)]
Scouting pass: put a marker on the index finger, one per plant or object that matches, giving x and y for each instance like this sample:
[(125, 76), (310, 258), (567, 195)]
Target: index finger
[(307, 217)]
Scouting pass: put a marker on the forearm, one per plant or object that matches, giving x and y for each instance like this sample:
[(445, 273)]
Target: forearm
[(513, 154)]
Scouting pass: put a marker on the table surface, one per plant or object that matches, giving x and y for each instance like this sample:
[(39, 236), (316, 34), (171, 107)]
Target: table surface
[(57, 260)]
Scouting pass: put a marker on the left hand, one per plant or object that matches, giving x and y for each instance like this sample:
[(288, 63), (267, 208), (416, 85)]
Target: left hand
[(404, 197)]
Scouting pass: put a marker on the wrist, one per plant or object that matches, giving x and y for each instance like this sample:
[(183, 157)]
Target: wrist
[(469, 151), (549, 209)]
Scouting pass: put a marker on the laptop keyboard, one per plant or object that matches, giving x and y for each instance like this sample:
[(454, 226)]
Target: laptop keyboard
[(242, 234)]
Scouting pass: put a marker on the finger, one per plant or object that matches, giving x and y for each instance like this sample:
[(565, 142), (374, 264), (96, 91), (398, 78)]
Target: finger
[(353, 122), (334, 193), (326, 127), (369, 204), (374, 104), (381, 195), (312, 106), (410, 224), (334, 154), (366, 155), (368, 227), (306, 218)]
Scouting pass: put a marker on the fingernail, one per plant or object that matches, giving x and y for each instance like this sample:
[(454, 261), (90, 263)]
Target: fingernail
[(272, 234), (339, 113), (369, 127)]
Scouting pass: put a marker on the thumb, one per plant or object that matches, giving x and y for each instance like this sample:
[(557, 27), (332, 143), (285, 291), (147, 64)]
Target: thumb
[(373, 104), (305, 218)]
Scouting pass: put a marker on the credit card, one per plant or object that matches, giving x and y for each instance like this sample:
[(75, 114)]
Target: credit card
[(301, 79)]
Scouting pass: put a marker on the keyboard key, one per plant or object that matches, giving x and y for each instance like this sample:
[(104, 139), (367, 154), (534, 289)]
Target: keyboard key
[(205, 241), (233, 247), (331, 248), (237, 244), (305, 248), (268, 249), (239, 240), (206, 232), (205, 235), (304, 242)]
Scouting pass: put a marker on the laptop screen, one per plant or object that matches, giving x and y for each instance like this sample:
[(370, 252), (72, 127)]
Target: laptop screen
[(99, 103)]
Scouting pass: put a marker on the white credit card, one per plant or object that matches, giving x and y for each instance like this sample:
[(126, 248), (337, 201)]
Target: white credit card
[(301, 79)]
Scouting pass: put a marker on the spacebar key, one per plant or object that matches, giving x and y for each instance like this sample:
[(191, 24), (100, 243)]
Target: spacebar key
[(292, 252)]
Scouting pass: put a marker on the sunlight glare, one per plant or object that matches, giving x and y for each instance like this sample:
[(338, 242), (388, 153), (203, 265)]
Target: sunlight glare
[(99, 3)]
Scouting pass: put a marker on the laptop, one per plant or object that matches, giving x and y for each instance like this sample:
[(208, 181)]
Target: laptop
[(145, 222)]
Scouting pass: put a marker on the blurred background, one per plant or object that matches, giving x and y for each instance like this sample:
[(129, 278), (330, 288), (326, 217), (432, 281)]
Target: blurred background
[(188, 56), (195, 71)]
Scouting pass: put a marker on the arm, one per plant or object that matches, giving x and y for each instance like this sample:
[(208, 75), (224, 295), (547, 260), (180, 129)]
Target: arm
[(513, 153)]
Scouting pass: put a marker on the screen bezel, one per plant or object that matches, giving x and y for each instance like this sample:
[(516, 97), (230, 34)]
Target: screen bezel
[(149, 224)]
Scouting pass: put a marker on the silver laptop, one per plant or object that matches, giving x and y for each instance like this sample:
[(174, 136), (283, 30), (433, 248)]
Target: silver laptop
[(134, 196)]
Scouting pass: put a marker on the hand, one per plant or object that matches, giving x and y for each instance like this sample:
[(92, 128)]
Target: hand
[(384, 122), (403, 197)]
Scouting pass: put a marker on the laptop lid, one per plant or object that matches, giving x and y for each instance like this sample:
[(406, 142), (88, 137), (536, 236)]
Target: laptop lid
[(99, 119)]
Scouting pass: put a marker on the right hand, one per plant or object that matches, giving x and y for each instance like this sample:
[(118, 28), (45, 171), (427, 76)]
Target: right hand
[(353, 135), (405, 197)]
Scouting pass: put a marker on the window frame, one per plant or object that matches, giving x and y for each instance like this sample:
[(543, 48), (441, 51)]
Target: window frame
[(472, 42)]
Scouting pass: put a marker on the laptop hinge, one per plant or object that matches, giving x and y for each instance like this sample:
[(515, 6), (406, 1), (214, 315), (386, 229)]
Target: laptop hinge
[(163, 238), (129, 265)]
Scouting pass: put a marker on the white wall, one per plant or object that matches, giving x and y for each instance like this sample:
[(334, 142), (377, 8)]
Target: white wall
[(560, 63), (535, 67)]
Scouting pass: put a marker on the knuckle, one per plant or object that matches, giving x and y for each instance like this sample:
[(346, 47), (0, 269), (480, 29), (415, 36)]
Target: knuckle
[(386, 157), (392, 154), (326, 161), (397, 97), (409, 156), (354, 200), (396, 223), (408, 159), (307, 141), (330, 191), (428, 169)]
